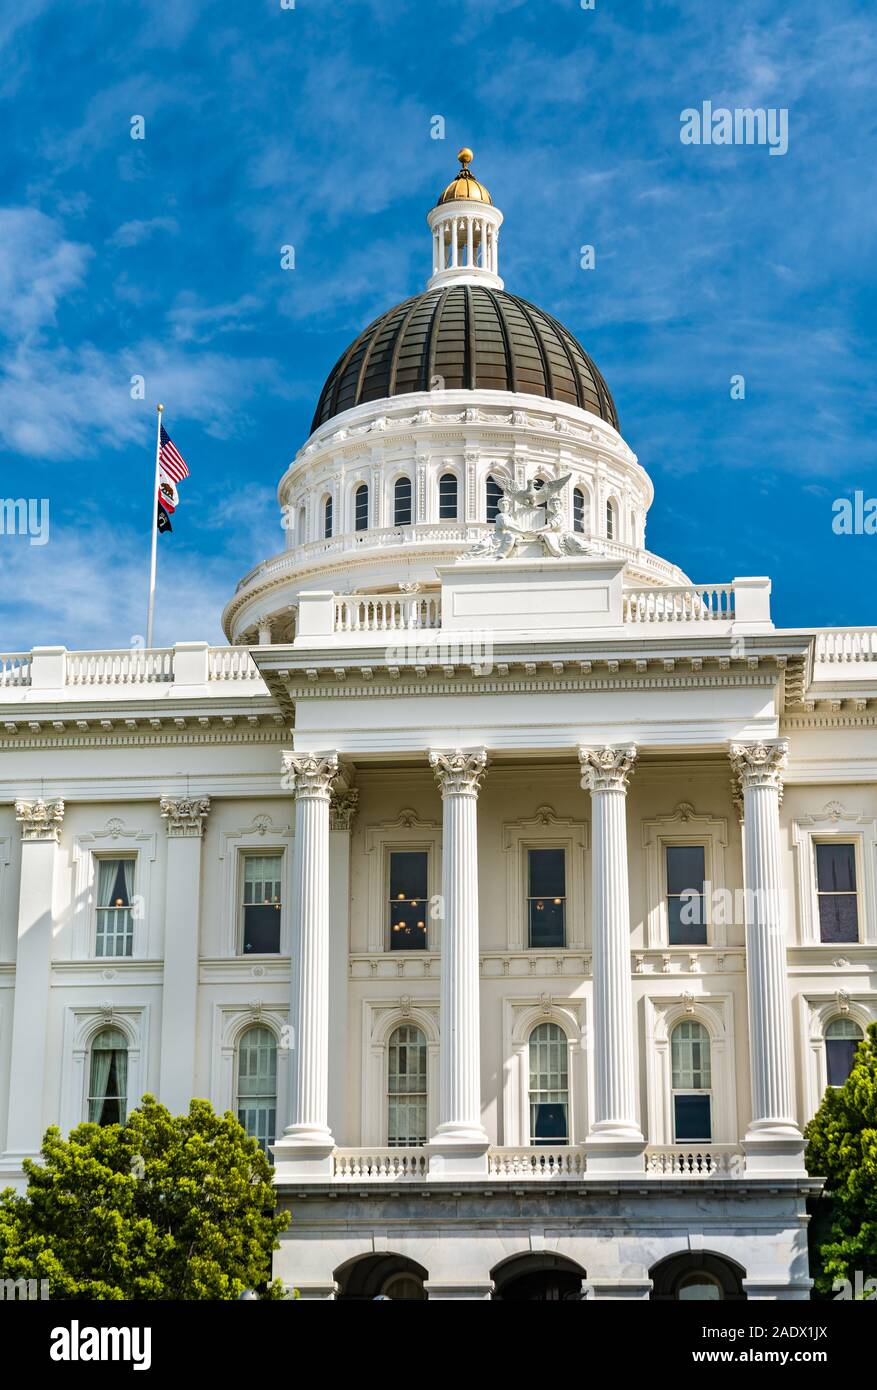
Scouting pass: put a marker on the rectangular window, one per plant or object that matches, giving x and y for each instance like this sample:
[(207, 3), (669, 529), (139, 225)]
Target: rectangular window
[(686, 904), (691, 1118), (546, 896), (115, 924), (262, 902), (836, 892), (409, 899)]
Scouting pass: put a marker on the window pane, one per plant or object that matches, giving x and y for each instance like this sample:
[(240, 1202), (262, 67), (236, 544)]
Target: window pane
[(690, 1056), (686, 917), (115, 925), (839, 1054), (547, 873), (406, 1086), (402, 500), (408, 874), (494, 493), (448, 497), (257, 1084), (108, 1078), (578, 510), (327, 518), (547, 919), (685, 868), (361, 518), (836, 868), (549, 1085), (838, 917), (692, 1117)]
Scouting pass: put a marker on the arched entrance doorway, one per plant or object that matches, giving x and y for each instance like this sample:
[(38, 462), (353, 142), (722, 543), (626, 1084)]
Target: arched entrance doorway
[(544, 1278), (381, 1276), (697, 1277)]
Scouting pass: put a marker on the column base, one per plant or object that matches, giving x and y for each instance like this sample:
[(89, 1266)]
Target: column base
[(774, 1150), (302, 1160), (457, 1154), (612, 1153)]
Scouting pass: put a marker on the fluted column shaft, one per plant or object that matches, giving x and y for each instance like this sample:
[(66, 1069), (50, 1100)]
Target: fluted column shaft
[(459, 776), (759, 769), (605, 773), (310, 777)]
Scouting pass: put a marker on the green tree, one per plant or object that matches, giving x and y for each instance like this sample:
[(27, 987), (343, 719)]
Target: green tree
[(842, 1148), (161, 1207)]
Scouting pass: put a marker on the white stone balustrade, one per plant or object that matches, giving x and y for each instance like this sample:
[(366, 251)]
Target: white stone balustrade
[(701, 1161), (379, 1165), (552, 1164)]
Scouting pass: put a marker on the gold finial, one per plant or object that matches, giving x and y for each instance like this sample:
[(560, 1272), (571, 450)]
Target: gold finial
[(159, 407), (465, 156)]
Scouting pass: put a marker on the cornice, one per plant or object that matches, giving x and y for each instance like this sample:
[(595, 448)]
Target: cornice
[(65, 725), (431, 683)]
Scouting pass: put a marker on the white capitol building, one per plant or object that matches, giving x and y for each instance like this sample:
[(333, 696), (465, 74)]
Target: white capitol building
[(516, 891)]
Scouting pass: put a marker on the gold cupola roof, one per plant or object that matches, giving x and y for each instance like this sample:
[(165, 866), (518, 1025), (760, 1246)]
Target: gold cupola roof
[(465, 184)]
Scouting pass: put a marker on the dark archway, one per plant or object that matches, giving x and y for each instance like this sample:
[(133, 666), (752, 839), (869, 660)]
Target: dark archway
[(543, 1278), (699, 1276), (381, 1276)]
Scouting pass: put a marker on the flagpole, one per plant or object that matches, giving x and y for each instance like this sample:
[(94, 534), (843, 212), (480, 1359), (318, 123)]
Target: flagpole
[(151, 609)]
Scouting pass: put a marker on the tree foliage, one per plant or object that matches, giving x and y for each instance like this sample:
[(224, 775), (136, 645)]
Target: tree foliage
[(842, 1148), (161, 1207)]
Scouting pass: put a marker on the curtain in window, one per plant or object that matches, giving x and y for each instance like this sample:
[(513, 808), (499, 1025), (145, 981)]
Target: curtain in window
[(106, 877), (108, 1078)]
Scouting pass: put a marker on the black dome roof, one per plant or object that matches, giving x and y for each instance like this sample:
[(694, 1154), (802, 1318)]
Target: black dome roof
[(474, 338)]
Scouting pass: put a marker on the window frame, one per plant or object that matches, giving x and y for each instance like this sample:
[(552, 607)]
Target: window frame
[(838, 841), (403, 478), (611, 519), (328, 517), (244, 853), (579, 525), (692, 842), (853, 1023), (683, 1091), (832, 823), (389, 851), (108, 1025), (561, 946), (446, 474), (249, 1026), (103, 856), (358, 489), (391, 1096), (489, 478), (532, 1141)]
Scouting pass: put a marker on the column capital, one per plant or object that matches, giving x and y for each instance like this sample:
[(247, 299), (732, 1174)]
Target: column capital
[(310, 774), (459, 773), (343, 805), (607, 769), (39, 819), (185, 816), (760, 764)]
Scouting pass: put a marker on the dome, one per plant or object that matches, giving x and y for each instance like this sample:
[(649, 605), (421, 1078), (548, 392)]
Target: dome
[(464, 184), (473, 338)]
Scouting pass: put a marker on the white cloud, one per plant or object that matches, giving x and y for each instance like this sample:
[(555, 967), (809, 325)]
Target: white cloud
[(134, 232), (38, 266)]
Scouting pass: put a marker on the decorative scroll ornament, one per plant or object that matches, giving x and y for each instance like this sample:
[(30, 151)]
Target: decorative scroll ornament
[(310, 774), (530, 521), (760, 764), (459, 773), (606, 769), (342, 808), (185, 816), (40, 820)]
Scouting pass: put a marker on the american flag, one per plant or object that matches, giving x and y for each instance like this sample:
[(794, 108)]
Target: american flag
[(170, 459)]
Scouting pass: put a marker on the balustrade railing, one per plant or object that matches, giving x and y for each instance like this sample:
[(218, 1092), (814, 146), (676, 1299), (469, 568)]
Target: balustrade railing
[(843, 645), (130, 666), (386, 612), (695, 603), (231, 664), (694, 1161), (551, 1162), (385, 1165), (15, 668)]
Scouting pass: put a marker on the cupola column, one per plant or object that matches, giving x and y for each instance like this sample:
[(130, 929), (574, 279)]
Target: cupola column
[(773, 1142), (459, 1146), (616, 1143)]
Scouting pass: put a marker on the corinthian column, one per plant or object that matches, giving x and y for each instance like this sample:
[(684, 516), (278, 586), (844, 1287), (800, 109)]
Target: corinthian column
[(615, 1142), (460, 1142), (307, 1142), (773, 1140), (185, 818)]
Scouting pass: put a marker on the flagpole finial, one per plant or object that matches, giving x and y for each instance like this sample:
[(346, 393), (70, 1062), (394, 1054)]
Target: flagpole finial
[(159, 407)]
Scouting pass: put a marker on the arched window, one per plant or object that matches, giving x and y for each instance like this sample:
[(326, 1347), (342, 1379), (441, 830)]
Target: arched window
[(300, 526), (633, 529), (549, 1085), (327, 518), (842, 1037), (108, 1078), (494, 493), (448, 497), (402, 502), (257, 1084), (610, 521), (406, 1088), (692, 1100), (360, 508), (578, 509)]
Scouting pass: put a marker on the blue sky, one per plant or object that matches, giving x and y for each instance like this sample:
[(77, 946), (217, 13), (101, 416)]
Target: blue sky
[(311, 126)]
